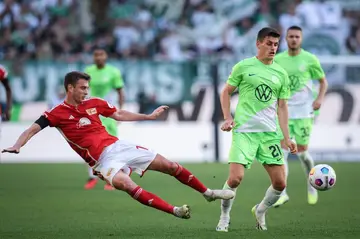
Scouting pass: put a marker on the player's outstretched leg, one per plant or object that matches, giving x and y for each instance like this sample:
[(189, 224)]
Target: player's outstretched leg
[(236, 173), (308, 163), (278, 184), (284, 198), (92, 181), (183, 175), (123, 182)]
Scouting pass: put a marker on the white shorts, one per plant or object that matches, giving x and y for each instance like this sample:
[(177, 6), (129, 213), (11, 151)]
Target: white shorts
[(125, 156)]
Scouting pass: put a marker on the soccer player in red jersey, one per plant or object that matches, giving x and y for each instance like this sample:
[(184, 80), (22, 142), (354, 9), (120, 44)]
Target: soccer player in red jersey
[(5, 82), (113, 160)]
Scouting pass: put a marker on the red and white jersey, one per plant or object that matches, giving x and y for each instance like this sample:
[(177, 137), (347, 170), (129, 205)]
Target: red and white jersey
[(3, 73), (81, 126)]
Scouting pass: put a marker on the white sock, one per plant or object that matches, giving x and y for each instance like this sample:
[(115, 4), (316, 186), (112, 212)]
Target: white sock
[(271, 197), (307, 163), (227, 204), (91, 174), (286, 165), (208, 192)]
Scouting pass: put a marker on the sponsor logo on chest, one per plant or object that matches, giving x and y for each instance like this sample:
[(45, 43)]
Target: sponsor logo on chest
[(83, 122), (91, 111)]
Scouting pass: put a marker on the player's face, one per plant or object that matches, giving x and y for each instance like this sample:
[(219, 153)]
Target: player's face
[(80, 91), (267, 47), (294, 39), (100, 57)]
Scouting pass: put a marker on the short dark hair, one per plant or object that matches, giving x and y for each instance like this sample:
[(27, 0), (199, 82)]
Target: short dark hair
[(295, 28), (72, 78), (99, 48), (267, 32)]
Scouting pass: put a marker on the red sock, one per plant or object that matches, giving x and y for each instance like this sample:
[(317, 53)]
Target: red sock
[(151, 200), (184, 176)]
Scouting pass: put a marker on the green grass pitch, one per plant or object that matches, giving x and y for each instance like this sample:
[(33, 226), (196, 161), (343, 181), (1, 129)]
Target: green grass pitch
[(48, 201)]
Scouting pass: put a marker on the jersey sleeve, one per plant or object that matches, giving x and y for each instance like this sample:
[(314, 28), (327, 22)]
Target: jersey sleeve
[(235, 75), (117, 80), (53, 117), (105, 108), (285, 87), (316, 70)]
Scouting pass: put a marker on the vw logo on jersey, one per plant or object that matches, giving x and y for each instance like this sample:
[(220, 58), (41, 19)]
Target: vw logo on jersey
[(263, 93), (82, 122), (302, 67), (294, 83)]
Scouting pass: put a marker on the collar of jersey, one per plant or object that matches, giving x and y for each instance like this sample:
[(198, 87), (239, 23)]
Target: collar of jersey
[(71, 106)]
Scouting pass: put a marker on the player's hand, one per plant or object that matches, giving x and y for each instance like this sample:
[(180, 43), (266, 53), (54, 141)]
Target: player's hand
[(228, 125), (291, 145), (316, 104), (157, 112), (13, 150)]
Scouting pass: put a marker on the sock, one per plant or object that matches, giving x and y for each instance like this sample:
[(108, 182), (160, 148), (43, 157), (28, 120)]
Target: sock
[(286, 164), (187, 178), (271, 197), (227, 204), (151, 200), (307, 163), (91, 174)]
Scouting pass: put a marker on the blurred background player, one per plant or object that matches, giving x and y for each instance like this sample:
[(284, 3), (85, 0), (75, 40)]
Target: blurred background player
[(105, 78), (5, 109), (58, 98), (263, 90), (302, 67), (316, 90)]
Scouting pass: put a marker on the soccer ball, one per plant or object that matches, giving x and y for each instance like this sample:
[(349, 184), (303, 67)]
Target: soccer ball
[(322, 177)]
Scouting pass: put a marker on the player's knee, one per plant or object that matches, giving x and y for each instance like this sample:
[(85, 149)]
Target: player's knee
[(169, 167), (160, 163), (123, 182), (173, 168), (279, 184), (234, 181), (302, 148)]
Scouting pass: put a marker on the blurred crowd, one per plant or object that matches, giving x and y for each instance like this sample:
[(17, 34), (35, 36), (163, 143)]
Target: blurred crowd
[(173, 30)]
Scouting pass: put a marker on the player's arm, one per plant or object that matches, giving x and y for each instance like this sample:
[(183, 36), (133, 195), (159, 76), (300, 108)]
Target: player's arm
[(35, 128), (8, 91), (283, 113), (118, 85), (108, 110), (124, 115), (322, 91), (283, 116), (225, 97), (317, 72), (121, 97)]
